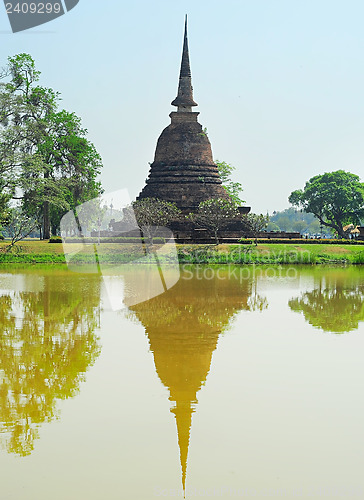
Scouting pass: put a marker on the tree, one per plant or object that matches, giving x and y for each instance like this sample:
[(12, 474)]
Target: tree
[(46, 160), (255, 223), (233, 188), (24, 110), (299, 226), (292, 219), (335, 198), (272, 226), (214, 214), (151, 214), (19, 226)]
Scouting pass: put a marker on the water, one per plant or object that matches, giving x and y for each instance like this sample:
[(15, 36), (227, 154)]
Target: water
[(235, 383)]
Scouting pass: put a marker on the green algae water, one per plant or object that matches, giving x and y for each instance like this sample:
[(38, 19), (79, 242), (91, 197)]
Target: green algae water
[(237, 382)]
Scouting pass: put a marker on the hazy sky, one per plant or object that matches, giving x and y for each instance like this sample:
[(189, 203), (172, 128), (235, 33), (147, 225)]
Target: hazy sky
[(279, 84)]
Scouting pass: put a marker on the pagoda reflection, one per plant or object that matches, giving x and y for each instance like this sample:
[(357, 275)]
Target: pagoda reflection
[(336, 304), (183, 326), (47, 343)]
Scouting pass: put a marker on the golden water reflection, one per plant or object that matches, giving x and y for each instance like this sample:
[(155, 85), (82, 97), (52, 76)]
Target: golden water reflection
[(336, 303), (183, 326), (47, 343), (261, 391)]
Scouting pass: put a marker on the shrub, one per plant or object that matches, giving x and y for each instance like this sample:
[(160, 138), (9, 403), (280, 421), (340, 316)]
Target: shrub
[(303, 241), (358, 258), (55, 239), (131, 239)]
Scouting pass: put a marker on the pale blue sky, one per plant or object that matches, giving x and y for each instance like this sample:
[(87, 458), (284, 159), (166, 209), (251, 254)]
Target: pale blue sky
[(279, 84)]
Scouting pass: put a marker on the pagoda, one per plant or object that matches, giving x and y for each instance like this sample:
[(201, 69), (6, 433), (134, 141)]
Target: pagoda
[(183, 170)]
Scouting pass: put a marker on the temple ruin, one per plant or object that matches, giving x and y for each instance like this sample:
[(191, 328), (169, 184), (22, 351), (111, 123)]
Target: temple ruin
[(183, 170)]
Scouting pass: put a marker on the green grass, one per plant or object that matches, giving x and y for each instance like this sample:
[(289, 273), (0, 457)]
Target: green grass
[(272, 254), (358, 258), (33, 252)]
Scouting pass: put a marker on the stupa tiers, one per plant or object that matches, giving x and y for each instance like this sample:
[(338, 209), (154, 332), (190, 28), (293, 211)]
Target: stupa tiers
[(183, 171)]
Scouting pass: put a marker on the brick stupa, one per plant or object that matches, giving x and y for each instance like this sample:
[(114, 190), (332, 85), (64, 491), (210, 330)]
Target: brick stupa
[(183, 171)]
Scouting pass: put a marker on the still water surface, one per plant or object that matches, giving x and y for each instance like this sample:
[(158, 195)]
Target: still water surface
[(242, 383)]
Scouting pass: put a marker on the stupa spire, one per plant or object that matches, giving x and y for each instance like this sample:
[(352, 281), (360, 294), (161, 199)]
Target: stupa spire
[(183, 413), (184, 100)]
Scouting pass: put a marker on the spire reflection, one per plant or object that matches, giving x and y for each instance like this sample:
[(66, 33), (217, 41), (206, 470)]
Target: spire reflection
[(183, 326)]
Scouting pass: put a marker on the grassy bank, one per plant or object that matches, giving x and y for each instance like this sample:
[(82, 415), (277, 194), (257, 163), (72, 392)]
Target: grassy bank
[(32, 252), (275, 254)]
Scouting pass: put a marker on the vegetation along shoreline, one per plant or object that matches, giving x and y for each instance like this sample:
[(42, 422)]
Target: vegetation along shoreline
[(38, 252)]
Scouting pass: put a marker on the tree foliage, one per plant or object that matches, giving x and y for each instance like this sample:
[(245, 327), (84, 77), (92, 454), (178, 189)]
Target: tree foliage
[(291, 220), (255, 223), (4, 209), (335, 198), (46, 160), (214, 214), (151, 214), (234, 189)]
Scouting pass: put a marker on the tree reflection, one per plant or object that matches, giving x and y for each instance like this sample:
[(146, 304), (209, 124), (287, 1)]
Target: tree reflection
[(335, 305), (183, 326), (47, 343)]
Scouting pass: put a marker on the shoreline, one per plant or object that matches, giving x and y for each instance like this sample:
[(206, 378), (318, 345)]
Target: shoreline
[(40, 252)]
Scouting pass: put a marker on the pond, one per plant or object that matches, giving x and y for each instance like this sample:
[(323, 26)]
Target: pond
[(235, 383)]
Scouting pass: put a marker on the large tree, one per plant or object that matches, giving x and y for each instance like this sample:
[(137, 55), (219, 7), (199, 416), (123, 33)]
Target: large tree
[(335, 198), (46, 160)]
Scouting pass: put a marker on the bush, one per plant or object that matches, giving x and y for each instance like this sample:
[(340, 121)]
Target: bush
[(246, 241), (303, 241), (1, 237), (107, 240), (55, 239), (358, 258)]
